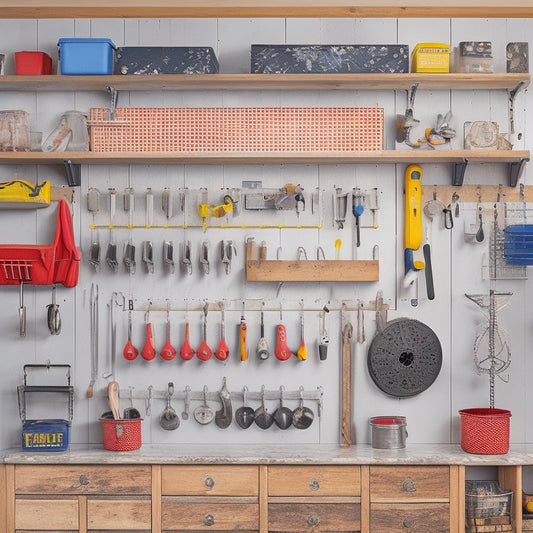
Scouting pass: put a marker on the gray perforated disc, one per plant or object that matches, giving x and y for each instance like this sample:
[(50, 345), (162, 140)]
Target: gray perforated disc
[(405, 358)]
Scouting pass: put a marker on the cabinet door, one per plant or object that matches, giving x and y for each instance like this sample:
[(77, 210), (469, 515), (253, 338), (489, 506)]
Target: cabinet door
[(46, 514), (215, 516), (209, 480), (314, 480), (83, 479), (119, 514), (296, 517), (409, 483), (409, 518)]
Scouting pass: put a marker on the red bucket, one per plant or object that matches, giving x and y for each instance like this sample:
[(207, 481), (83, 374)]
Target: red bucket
[(485, 430), (122, 435)]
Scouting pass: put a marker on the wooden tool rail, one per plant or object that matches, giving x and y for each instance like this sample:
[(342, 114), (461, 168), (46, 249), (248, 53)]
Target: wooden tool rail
[(262, 269), (477, 193)]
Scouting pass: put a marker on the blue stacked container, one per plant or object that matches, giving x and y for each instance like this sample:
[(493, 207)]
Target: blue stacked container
[(86, 56)]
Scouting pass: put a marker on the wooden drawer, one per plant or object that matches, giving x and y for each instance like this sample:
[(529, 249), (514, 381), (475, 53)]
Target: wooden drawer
[(46, 514), (314, 480), (83, 479), (314, 517), (215, 516), (409, 483), (410, 518), (119, 514), (202, 480)]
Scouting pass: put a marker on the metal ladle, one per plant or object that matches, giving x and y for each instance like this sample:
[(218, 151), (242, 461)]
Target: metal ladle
[(282, 415), (302, 417), (203, 414), (261, 416), (169, 419), (244, 416)]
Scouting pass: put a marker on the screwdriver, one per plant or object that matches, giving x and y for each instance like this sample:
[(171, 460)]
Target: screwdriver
[(357, 210)]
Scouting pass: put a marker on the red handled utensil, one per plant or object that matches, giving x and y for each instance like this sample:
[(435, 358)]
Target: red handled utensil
[(186, 351), (168, 351), (148, 350), (130, 352), (204, 352), (222, 351)]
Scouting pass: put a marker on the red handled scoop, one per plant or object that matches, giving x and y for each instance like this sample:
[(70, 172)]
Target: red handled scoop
[(204, 352), (130, 352), (186, 352), (168, 352), (282, 350), (222, 350), (148, 350)]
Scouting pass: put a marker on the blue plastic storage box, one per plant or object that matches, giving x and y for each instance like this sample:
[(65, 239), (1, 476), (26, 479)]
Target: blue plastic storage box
[(79, 56)]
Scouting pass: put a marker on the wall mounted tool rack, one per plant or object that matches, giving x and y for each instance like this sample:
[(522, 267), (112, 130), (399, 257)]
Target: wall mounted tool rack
[(188, 395), (258, 268)]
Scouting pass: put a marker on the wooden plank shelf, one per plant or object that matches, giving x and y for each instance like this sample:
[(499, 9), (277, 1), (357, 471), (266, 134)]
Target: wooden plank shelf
[(206, 82), (261, 269), (61, 9)]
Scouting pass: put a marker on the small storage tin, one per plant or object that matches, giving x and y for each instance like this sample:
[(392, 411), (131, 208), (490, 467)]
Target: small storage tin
[(431, 57), (32, 63), (80, 56), (388, 432), (45, 435)]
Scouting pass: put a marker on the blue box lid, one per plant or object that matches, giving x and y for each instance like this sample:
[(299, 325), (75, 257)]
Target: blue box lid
[(64, 40)]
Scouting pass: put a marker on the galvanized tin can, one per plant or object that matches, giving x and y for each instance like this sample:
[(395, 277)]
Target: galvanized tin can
[(388, 432)]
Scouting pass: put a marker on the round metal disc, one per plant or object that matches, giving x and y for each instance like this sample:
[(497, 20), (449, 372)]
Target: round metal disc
[(405, 358)]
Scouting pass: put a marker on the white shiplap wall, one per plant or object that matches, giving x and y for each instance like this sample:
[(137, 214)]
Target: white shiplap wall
[(432, 416)]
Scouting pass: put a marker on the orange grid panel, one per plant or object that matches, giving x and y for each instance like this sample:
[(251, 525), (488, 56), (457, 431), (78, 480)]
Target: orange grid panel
[(243, 129)]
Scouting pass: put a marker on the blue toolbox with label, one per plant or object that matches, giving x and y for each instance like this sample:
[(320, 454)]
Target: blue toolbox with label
[(146, 60), (346, 58), (45, 435)]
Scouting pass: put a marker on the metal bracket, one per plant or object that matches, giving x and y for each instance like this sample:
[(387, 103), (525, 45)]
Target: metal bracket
[(458, 172), (512, 95), (515, 170), (73, 173)]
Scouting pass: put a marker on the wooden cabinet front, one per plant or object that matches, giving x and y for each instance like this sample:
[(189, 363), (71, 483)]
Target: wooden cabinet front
[(58, 514), (409, 518), (119, 514)]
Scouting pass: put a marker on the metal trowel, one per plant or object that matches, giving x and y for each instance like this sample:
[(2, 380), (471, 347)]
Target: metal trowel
[(224, 416)]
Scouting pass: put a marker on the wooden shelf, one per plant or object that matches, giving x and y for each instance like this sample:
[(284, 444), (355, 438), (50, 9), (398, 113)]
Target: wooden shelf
[(331, 158), (206, 82), (260, 269), (62, 9)]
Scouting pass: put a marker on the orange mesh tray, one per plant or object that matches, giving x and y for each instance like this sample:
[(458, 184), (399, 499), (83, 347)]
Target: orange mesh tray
[(247, 129)]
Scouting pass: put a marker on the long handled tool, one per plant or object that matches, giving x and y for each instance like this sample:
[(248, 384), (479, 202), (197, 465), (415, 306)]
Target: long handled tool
[(204, 352), (346, 401), (186, 351), (301, 353), (222, 351), (262, 346), (22, 311), (94, 339), (324, 337), (242, 337), (168, 351), (282, 350), (148, 350), (130, 352)]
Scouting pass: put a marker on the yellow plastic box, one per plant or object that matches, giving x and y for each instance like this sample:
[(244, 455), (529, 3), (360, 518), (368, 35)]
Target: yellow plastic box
[(431, 57)]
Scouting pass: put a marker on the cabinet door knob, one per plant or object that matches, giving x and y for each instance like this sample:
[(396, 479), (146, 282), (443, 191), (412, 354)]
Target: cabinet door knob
[(209, 520), (408, 522), (408, 485), (314, 484), (313, 520), (209, 482), (84, 480)]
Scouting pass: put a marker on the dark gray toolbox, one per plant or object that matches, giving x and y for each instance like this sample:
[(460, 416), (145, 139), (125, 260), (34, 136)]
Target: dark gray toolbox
[(165, 60), (302, 59)]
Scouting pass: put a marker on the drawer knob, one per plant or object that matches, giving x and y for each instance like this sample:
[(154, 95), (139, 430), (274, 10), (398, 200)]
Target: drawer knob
[(209, 520), (408, 522), (313, 520), (84, 480), (314, 484), (209, 482), (408, 485)]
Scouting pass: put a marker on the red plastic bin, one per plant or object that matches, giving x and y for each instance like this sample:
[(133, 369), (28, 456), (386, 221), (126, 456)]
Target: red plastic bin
[(32, 63), (122, 435), (485, 431)]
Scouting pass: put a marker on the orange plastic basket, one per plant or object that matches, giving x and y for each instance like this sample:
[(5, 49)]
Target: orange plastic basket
[(485, 430), (241, 129), (122, 435)]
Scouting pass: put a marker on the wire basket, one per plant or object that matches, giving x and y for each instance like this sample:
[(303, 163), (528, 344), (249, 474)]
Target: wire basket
[(486, 499)]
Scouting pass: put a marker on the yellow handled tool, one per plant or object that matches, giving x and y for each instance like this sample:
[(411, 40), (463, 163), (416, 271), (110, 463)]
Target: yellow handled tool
[(413, 220), (302, 350)]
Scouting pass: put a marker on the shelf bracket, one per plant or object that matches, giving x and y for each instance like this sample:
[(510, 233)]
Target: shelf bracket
[(511, 93), (73, 173), (458, 172), (515, 170)]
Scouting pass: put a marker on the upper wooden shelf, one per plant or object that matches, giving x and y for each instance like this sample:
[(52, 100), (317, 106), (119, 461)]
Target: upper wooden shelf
[(62, 9), (383, 157), (184, 82)]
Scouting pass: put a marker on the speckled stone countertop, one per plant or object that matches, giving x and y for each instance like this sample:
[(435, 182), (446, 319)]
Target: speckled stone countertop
[(330, 454)]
